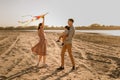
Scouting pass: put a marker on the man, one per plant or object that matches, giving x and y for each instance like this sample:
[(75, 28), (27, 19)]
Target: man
[(68, 46)]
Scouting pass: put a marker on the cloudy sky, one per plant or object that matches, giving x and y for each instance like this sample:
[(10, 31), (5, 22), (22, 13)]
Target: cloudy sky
[(85, 12)]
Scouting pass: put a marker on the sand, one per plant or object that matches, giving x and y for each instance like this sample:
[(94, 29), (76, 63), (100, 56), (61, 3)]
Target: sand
[(97, 57)]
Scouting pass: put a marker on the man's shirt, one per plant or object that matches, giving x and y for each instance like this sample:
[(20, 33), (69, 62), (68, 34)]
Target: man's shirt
[(71, 33)]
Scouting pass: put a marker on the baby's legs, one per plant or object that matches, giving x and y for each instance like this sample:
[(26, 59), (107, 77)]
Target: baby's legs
[(59, 38), (63, 40)]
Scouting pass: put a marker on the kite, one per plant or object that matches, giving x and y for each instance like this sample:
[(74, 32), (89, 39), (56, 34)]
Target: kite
[(34, 18)]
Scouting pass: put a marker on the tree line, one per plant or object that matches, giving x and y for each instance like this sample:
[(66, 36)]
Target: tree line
[(90, 27)]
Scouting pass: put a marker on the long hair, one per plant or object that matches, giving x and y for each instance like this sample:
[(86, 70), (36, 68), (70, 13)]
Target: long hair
[(39, 26)]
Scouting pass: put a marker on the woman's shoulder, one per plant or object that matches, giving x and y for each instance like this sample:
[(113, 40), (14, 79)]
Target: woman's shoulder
[(42, 27)]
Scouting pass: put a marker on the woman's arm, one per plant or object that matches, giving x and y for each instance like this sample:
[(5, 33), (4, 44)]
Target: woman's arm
[(43, 22)]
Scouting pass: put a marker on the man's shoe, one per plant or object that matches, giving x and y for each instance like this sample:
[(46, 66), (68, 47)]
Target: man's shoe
[(73, 68), (60, 68)]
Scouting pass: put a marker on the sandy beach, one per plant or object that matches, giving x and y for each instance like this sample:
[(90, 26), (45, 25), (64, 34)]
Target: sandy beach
[(97, 57)]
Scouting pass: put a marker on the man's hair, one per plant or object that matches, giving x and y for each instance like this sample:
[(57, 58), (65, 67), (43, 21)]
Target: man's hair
[(72, 20)]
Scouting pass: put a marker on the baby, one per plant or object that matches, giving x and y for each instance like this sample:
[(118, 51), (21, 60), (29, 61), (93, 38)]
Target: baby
[(64, 35)]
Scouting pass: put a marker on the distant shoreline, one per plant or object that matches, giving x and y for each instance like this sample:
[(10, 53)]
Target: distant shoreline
[(61, 29)]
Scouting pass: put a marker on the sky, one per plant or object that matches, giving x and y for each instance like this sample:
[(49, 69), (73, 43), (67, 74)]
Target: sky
[(84, 12)]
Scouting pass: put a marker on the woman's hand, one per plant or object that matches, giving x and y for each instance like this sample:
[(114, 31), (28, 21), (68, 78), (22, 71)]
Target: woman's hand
[(43, 16)]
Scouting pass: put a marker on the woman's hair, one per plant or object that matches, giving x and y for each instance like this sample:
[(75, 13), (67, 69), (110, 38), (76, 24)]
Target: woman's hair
[(39, 26)]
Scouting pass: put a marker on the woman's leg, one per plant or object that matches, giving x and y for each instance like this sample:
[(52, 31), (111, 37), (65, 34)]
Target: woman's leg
[(39, 60), (44, 62), (44, 59)]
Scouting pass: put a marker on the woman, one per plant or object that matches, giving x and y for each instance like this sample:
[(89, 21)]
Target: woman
[(40, 47)]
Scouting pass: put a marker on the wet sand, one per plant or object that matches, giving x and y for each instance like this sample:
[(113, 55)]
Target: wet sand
[(97, 57)]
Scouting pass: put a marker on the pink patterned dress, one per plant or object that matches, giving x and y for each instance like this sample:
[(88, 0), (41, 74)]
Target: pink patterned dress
[(40, 47)]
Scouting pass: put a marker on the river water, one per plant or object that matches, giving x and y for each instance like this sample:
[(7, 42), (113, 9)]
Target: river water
[(107, 32)]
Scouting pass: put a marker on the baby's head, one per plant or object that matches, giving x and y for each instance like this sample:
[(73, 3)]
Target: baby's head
[(66, 27)]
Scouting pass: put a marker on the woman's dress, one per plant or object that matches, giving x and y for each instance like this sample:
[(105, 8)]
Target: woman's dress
[(40, 47)]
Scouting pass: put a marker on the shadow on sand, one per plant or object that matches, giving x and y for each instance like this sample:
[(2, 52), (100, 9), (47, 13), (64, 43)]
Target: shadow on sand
[(22, 72), (54, 73)]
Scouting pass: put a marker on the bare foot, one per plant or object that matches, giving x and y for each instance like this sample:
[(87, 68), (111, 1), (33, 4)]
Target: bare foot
[(37, 65), (45, 65)]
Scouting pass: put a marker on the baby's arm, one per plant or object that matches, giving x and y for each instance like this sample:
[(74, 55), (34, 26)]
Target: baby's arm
[(65, 33), (63, 36)]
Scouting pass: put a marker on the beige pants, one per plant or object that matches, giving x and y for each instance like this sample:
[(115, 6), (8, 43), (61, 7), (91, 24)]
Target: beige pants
[(69, 48)]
